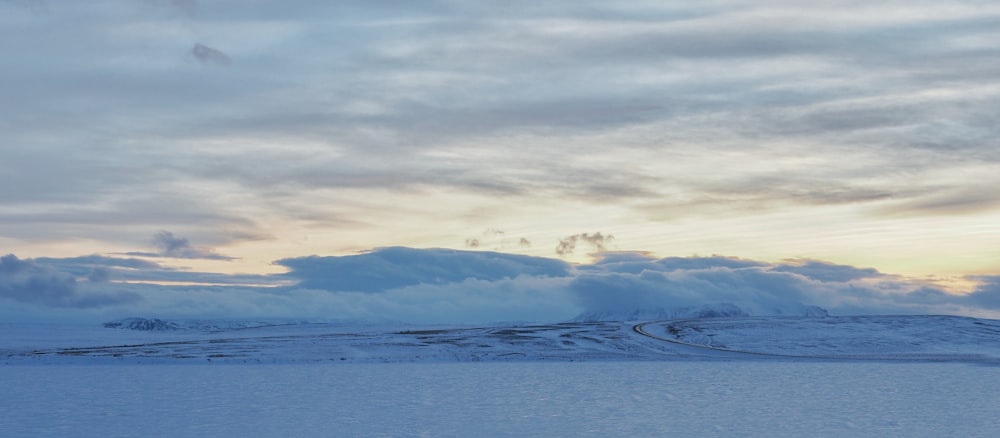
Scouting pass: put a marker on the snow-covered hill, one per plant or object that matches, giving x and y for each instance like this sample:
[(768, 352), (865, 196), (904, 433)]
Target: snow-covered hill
[(909, 338), (863, 337)]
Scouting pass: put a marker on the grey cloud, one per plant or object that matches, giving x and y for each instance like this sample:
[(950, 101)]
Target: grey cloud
[(449, 286), (97, 260), (27, 282), (187, 7), (23, 281), (987, 295), (100, 106), (635, 262), (754, 290), (100, 268), (38, 7), (496, 240), (97, 268), (179, 247), (209, 56), (169, 245), (596, 242), (961, 201), (99, 275), (623, 283), (839, 120), (827, 272), (395, 267)]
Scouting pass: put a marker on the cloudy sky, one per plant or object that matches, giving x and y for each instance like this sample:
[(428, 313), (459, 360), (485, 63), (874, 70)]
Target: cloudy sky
[(208, 142)]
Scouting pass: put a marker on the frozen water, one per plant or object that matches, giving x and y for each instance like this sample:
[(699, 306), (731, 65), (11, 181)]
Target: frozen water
[(783, 398)]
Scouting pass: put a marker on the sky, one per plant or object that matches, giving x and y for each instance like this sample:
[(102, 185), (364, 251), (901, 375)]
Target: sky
[(164, 145)]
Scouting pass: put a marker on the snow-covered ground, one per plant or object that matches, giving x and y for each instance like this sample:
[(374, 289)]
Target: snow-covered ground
[(742, 376), (330, 342), (918, 338)]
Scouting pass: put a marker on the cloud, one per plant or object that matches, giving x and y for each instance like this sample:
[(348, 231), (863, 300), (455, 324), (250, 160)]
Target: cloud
[(27, 282), (621, 283), (394, 267), (76, 265), (38, 7), (100, 268), (825, 271), (97, 268), (473, 287), (873, 108), (497, 240), (596, 241), (187, 7), (987, 295), (171, 246), (351, 115), (99, 275), (754, 289), (209, 56)]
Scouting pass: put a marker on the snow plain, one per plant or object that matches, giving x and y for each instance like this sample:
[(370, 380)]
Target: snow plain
[(841, 376)]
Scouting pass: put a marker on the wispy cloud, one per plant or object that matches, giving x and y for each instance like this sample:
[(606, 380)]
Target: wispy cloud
[(648, 113)]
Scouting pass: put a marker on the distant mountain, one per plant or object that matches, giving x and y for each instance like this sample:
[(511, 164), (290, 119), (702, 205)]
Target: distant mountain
[(143, 324)]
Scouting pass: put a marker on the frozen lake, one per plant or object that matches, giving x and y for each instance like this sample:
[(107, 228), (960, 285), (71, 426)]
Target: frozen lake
[(639, 398)]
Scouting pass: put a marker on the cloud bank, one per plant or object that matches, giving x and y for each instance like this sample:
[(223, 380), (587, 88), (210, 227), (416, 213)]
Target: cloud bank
[(451, 286), (25, 281), (396, 267)]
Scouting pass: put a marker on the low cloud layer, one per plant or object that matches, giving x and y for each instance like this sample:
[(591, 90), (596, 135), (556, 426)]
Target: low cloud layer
[(396, 267), (450, 286), (24, 281)]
